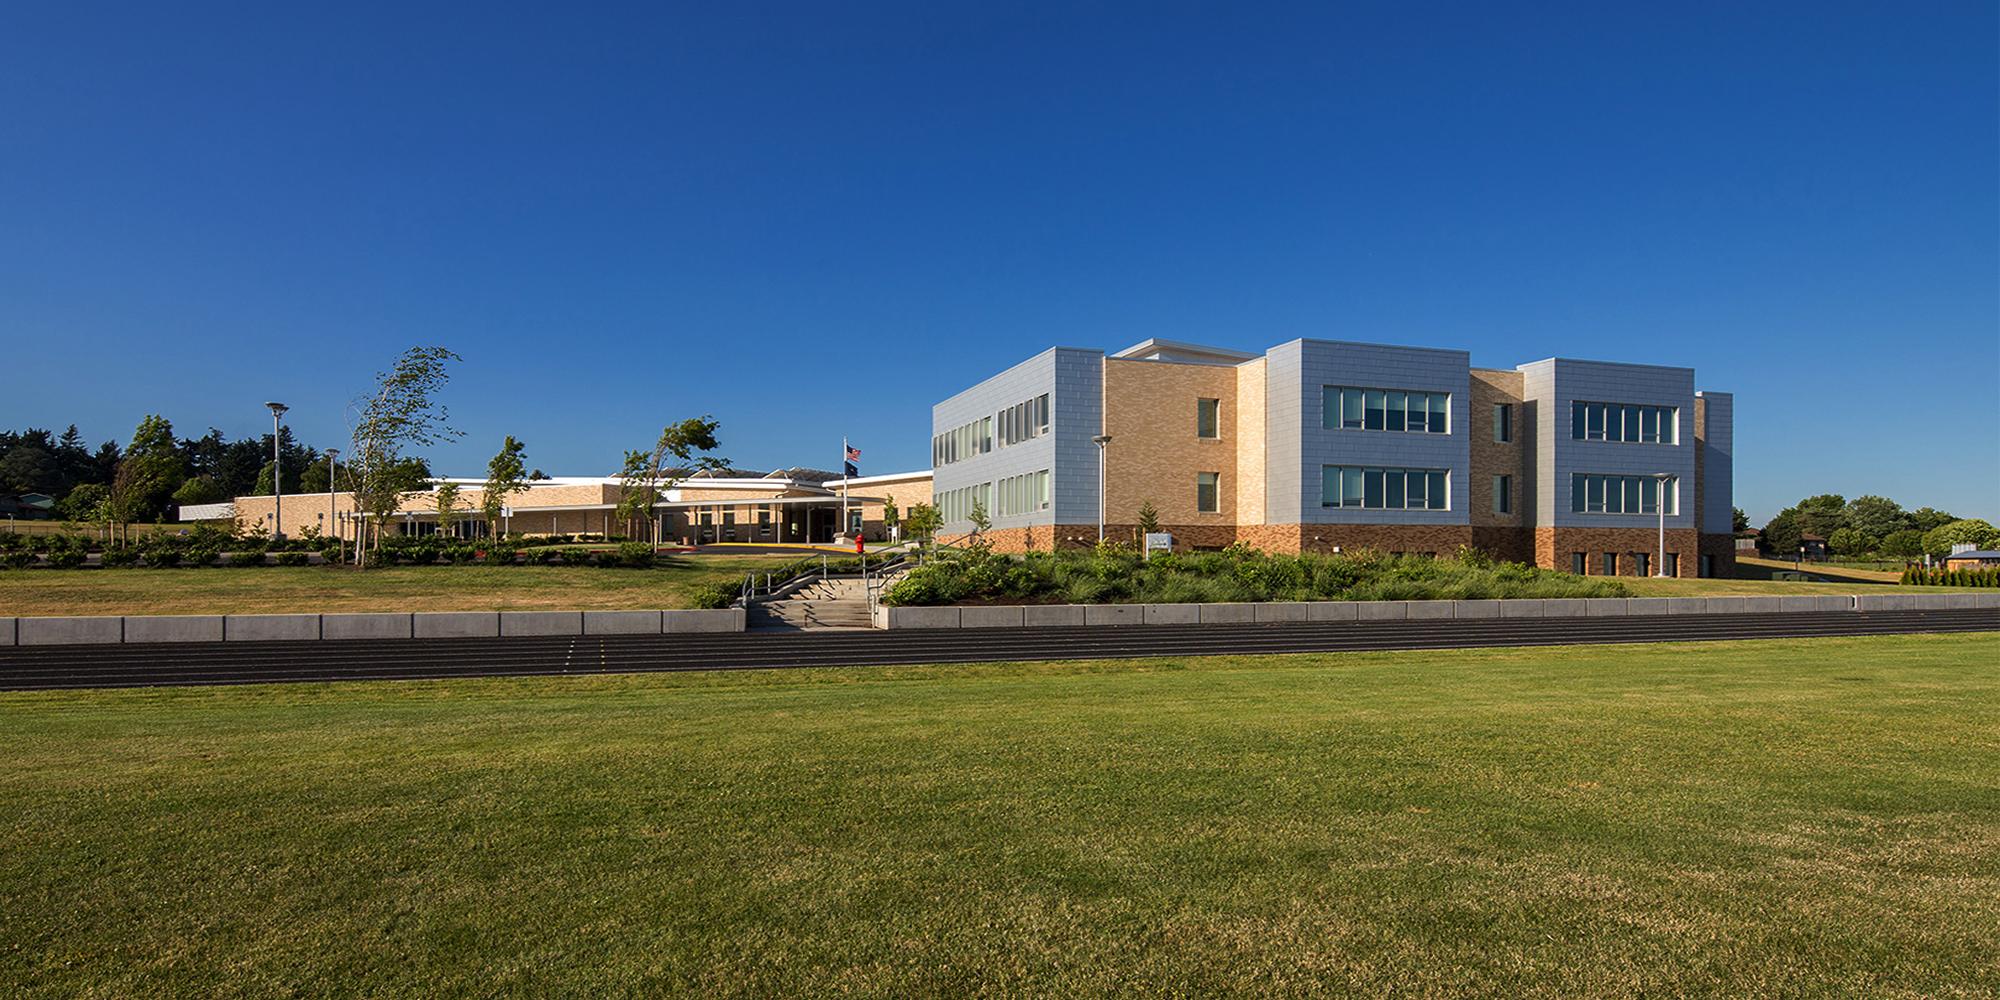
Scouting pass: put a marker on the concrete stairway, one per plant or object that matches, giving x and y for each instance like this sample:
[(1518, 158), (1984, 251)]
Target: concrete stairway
[(840, 602)]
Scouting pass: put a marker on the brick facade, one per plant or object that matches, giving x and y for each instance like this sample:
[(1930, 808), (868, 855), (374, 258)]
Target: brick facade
[(1555, 548)]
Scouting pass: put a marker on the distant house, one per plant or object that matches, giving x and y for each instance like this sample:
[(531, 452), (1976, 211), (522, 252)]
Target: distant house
[(1813, 546), (1746, 541), (28, 506), (1971, 558)]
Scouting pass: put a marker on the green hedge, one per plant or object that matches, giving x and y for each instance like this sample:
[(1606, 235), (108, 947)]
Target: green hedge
[(1920, 576), (1117, 575)]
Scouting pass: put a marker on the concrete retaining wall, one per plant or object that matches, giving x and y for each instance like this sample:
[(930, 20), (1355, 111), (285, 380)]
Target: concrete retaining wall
[(390, 625), (69, 631), (1044, 615), (174, 628)]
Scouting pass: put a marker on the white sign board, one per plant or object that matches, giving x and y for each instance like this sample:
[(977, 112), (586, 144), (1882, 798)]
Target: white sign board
[(1159, 541)]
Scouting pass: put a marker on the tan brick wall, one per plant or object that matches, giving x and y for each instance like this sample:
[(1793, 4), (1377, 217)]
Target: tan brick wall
[(1149, 411), (1553, 547), (1492, 458), (310, 509), (1250, 441)]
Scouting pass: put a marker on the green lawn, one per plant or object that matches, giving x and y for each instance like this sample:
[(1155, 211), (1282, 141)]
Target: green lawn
[(1788, 818), (221, 590)]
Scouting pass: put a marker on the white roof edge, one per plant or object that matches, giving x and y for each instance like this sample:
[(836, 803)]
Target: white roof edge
[(883, 478), (1151, 344)]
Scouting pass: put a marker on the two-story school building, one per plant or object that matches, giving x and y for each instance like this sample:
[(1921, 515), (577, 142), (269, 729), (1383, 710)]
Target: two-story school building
[(1319, 445)]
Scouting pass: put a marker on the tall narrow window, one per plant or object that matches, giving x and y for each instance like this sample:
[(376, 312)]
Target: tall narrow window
[(1395, 411), (1208, 418), (1377, 401), (1392, 489), (1207, 492), (1439, 490), (1350, 408), (1611, 564), (1576, 563), (1440, 413), (1503, 422), (1642, 563), (1503, 494)]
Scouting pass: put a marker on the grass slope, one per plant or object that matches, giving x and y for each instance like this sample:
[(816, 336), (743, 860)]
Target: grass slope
[(1789, 818), (272, 589)]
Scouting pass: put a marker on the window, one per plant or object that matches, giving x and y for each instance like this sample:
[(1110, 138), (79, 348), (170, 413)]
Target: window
[(1023, 421), (956, 505), (963, 442), (1384, 489), (1642, 563), (1706, 565), (1611, 564), (1623, 422), (1360, 409), (1207, 492), (1208, 418), (1503, 494), (1576, 563), (1022, 494), (1673, 564), (1590, 493), (1503, 422)]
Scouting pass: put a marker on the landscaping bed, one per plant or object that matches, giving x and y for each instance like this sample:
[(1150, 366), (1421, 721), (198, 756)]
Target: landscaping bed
[(1115, 574)]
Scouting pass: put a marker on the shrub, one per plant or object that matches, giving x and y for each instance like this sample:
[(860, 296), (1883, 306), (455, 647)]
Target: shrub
[(713, 595), (576, 557), (636, 555), (17, 558), (294, 559), (123, 555), (246, 558), (162, 558), (66, 556), (542, 557)]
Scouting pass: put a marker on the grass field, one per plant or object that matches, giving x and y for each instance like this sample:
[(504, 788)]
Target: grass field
[(1787, 818), (272, 589)]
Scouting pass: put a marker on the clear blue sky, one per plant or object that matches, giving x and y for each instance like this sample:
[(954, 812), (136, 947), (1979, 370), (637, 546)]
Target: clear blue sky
[(622, 218)]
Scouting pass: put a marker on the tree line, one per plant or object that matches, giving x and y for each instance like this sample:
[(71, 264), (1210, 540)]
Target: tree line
[(1872, 526)]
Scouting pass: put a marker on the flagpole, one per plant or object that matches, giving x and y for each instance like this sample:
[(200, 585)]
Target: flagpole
[(843, 486)]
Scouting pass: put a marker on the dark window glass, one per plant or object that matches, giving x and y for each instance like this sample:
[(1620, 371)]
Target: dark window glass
[(1440, 419), (1576, 494), (1576, 421), (1376, 402), (1372, 484), (1392, 489), (1207, 419), (1576, 563), (1611, 564), (1440, 494)]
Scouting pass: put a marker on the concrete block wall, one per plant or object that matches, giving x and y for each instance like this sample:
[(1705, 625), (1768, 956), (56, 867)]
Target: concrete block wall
[(114, 629)]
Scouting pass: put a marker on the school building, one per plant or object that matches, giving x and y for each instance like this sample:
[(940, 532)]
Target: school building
[(780, 507), (1320, 445)]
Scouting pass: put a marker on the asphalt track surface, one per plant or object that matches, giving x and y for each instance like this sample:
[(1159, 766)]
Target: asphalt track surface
[(134, 665)]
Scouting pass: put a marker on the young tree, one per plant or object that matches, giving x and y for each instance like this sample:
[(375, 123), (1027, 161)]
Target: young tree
[(647, 474), (1149, 520), (148, 474), (981, 523), (891, 517), (923, 522), (402, 413), (447, 506), (504, 478)]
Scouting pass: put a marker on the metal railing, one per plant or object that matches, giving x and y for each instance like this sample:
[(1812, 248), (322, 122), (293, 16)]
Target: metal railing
[(761, 585)]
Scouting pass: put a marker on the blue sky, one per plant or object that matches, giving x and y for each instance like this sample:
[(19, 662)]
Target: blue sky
[(820, 219)]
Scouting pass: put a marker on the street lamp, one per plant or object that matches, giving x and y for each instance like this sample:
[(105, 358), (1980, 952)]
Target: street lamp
[(1100, 441), (331, 515), (277, 472), (1660, 502)]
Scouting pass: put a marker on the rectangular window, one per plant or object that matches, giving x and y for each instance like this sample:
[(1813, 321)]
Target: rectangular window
[(1590, 493), (1623, 422), (1673, 564), (1208, 418), (1503, 494), (1576, 563), (1503, 422), (1360, 408), (1640, 563), (1611, 564), (1207, 492), (1706, 565), (1384, 489)]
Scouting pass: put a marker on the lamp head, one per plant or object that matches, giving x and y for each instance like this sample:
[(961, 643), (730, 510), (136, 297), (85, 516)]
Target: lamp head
[(277, 409)]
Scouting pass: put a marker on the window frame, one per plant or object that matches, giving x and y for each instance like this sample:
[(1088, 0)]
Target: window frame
[(1503, 423), (1212, 482), (1210, 411)]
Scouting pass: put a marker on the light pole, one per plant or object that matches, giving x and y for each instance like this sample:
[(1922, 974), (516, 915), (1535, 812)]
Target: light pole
[(332, 516), (277, 472), (1100, 441), (1660, 502)]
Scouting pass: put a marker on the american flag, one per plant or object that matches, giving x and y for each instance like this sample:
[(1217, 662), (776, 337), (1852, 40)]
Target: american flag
[(853, 453)]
